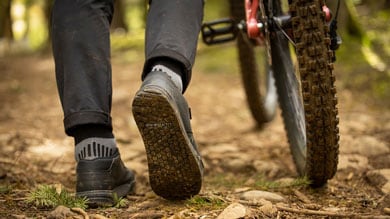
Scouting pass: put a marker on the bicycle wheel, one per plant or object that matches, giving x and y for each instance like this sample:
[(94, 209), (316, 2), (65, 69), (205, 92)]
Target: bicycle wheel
[(259, 85), (308, 99)]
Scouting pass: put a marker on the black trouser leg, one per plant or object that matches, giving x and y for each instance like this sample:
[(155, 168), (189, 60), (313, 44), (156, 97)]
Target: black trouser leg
[(81, 48), (172, 32)]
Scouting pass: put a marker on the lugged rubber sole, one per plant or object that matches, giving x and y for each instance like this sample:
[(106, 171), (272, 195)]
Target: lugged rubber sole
[(174, 172), (102, 198)]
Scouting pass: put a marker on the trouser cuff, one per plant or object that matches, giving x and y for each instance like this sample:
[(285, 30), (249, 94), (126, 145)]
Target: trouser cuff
[(86, 118)]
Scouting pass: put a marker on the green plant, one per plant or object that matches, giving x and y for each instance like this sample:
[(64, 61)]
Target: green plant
[(262, 183), (201, 202), (299, 182), (119, 202), (5, 189), (46, 196)]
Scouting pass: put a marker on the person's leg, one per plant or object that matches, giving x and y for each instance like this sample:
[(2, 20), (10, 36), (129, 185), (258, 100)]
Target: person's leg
[(81, 49), (159, 108), (172, 35)]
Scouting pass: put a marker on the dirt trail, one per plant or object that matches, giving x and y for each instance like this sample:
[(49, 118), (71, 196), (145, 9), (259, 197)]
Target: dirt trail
[(238, 158)]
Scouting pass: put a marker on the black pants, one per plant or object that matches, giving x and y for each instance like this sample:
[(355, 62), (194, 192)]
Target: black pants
[(81, 48)]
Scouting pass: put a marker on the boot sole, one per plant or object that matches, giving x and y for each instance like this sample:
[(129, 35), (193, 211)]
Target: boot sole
[(174, 171), (103, 198)]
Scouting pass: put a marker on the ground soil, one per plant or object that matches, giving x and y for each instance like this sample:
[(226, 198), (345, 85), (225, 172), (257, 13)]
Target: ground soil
[(238, 157)]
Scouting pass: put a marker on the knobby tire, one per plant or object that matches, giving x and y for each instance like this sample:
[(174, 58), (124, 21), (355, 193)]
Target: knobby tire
[(307, 94), (262, 109), (318, 94)]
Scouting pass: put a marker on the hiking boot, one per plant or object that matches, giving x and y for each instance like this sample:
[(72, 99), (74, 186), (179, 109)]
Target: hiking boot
[(163, 118), (103, 180)]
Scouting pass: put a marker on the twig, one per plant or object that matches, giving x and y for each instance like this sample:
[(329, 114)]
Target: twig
[(148, 215), (80, 211), (7, 161), (311, 212), (98, 216), (302, 196), (327, 213), (251, 203)]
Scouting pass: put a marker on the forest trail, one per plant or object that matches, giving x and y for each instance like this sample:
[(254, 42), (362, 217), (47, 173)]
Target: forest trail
[(238, 158)]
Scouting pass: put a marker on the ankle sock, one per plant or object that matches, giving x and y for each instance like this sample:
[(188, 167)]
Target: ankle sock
[(92, 148), (172, 70), (93, 141)]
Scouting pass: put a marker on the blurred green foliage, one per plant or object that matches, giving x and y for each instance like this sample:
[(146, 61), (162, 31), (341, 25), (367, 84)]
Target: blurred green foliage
[(363, 65)]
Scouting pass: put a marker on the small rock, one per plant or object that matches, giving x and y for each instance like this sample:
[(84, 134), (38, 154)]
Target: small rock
[(350, 175), (233, 211), (132, 209), (332, 209), (221, 149), (19, 216), (354, 161), (148, 215), (238, 165), (356, 123), (386, 211), (148, 204), (364, 145), (380, 178), (268, 209), (242, 189), (256, 195), (97, 216), (270, 169), (60, 212)]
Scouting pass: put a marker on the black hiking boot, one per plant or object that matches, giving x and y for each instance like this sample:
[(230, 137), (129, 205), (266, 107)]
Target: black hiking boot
[(163, 118), (103, 180)]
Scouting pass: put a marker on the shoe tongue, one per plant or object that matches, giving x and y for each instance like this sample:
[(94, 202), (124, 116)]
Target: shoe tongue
[(93, 148)]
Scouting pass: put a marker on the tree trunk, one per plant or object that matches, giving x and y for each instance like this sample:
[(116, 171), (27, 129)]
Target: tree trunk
[(118, 21), (5, 20)]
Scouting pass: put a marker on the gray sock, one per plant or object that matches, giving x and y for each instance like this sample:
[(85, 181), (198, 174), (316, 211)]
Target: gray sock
[(92, 148), (176, 78)]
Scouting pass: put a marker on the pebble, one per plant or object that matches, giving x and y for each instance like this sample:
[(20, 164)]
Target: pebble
[(268, 209), (220, 149), (269, 168), (148, 204), (332, 209), (60, 212), (365, 145), (242, 189), (381, 179), (238, 165), (386, 211), (256, 195), (354, 161), (19, 216), (233, 211)]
